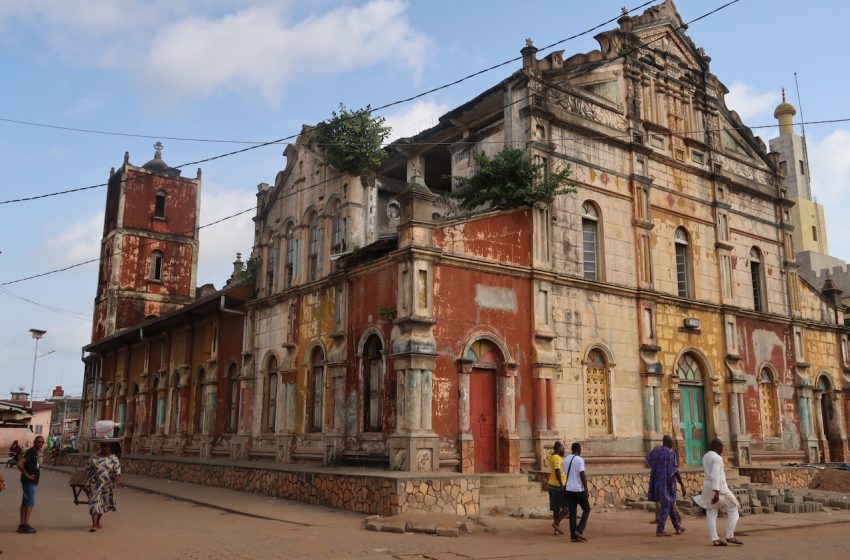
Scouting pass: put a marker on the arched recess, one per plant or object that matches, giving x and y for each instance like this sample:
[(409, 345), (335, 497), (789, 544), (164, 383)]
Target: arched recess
[(372, 358), (199, 401), (599, 367), (314, 400), (694, 399), (175, 408), (133, 409), (120, 415), (271, 378), (487, 380), (232, 398), (828, 418), (769, 410)]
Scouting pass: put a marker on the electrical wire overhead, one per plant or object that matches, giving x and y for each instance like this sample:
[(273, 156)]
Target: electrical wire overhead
[(292, 193), (261, 144)]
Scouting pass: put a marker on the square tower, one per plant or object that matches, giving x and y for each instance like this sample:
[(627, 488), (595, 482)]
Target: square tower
[(149, 249)]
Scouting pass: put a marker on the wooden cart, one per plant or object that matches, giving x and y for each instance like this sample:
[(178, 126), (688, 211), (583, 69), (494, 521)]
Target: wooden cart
[(79, 483)]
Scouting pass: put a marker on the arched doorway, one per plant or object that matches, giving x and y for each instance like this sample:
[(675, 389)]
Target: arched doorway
[(831, 445), (692, 422), (485, 359)]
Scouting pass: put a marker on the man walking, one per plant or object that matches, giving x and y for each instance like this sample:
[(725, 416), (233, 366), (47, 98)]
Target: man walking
[(576, 493), (716, 495), (663, 474), (557, 483), (30, 470)]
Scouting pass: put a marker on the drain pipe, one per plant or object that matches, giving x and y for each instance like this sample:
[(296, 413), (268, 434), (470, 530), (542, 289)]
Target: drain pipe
[(224, 309)]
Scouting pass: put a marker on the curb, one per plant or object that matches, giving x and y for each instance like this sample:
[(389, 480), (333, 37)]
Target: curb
[(147, 490)]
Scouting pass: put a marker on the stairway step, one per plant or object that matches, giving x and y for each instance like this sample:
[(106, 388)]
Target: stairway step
[(504, 480), (514, 490)]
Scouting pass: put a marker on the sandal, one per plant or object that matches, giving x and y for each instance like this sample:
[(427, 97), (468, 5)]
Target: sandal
[(735, 540), (664, 534), (558, 530), (680, 530), (718, 542)]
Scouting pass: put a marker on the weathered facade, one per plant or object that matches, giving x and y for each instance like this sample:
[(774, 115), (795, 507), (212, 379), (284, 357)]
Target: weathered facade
[(391, 328), (149, 249)]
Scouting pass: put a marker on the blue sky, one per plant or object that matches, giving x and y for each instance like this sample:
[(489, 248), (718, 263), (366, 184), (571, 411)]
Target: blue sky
[(257, 71)]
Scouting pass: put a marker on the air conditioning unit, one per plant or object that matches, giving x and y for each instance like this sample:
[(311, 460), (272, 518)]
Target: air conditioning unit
[(691, 323)]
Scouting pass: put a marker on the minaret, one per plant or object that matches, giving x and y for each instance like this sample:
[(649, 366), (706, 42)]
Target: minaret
[(806, 215), (149, 249)]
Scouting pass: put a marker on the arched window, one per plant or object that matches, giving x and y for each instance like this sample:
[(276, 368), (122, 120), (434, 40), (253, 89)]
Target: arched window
[(338, 229), (159, 205), (174, 424), (131, 410), (271, 265), (313, 249), (198, 420), (270, 395), (683, 264), (590, 240), (767, 396), (483, 353), (757, 277), (232, 415), (689, 370), (157, 396), (291, 254), (156, 265), (121, 407), (316, 392), (598, 394), (373, 383)]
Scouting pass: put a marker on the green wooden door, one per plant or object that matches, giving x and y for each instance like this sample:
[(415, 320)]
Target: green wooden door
[(692, 423)]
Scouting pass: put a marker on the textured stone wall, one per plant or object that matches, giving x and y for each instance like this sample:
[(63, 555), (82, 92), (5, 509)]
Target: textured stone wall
[(361, 493), (617, 489), (786, 477)]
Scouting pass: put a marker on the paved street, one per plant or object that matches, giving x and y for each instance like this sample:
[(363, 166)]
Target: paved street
[(152, 526)]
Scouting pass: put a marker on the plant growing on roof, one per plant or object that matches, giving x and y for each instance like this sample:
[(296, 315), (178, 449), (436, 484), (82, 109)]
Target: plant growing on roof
[(352, 140), (510, 180)]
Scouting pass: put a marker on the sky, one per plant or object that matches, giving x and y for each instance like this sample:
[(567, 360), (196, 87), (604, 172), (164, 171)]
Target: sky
[(254, 71)]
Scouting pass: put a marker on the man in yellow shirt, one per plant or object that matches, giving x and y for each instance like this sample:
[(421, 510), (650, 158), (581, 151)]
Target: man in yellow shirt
[(557, 487)]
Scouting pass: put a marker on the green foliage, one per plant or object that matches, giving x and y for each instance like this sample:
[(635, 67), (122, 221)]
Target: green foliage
[(251, 269), (511, 180), (351, 141), (388, 313)]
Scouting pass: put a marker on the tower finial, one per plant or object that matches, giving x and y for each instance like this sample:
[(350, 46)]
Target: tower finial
[(158, 147), (783, 95)]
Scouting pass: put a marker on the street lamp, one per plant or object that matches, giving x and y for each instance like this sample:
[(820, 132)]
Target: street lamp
[(36, 334)]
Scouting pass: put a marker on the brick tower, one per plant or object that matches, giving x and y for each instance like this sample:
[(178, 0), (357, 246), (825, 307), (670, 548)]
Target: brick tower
[(149, 249)]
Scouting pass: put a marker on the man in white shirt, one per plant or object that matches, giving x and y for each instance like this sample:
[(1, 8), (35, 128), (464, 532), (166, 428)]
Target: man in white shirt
[(716, 495), (576, 491)]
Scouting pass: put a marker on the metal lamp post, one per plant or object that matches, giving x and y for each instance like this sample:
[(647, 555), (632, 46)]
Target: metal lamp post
[(36, 334)]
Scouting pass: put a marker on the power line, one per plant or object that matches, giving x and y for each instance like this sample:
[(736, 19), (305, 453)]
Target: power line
[(59, 310), (256, 145), (286, 195)]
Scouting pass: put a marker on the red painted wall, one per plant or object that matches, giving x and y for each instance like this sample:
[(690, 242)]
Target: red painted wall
[(367, 295)]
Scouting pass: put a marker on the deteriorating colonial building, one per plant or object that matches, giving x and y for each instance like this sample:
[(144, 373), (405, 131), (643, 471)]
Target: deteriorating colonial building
[(389, 327)]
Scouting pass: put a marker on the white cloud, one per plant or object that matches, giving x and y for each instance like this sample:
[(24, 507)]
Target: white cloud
[(748, 103), (78, 242), (221, 242), (830, 165), (191, 49), (420, 116)]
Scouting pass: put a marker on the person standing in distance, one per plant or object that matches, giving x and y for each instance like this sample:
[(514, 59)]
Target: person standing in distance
[(576, 493), (30, 470), (716, 495)]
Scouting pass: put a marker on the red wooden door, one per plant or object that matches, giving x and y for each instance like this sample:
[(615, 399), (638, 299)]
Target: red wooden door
[(482, 408)]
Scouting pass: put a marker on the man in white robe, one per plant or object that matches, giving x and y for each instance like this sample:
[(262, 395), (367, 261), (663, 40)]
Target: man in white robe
[(716, 495)]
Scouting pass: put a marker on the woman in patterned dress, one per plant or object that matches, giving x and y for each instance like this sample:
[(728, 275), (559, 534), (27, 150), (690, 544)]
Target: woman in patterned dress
[(104, 475)]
